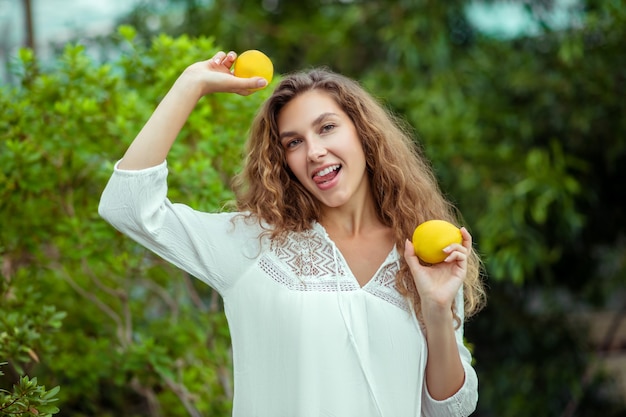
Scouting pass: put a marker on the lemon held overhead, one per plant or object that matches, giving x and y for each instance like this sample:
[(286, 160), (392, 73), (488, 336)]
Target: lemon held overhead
[(253, 63), (431, 237)]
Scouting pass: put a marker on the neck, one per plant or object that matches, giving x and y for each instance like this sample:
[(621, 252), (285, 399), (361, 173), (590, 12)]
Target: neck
[(352, 220)]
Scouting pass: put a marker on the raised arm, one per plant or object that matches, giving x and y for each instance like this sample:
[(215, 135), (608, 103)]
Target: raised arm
[(154, 141)]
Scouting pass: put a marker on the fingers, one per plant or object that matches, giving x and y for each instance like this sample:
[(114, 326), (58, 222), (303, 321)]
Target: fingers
[(467, 238), (229, 59), (222, 60), (247, 86), (459, 252), (455, 255), (409, 253)]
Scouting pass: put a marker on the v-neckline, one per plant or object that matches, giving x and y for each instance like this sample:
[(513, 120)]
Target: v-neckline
[(391, 257)]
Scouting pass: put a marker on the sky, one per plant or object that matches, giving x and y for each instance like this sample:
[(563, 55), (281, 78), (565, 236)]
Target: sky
[(55, 20), (58, 18)]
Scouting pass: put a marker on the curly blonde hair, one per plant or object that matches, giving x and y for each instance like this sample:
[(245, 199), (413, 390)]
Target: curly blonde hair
[(402, 181)]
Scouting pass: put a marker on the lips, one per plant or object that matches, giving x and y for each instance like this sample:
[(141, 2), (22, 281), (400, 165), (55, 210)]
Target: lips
[(326, 174)]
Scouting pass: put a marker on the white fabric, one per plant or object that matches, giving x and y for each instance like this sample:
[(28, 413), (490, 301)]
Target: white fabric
[(307, 340)]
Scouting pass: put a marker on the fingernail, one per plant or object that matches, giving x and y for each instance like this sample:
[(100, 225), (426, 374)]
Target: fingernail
[(261, 83), (217, 60), (447, 249)]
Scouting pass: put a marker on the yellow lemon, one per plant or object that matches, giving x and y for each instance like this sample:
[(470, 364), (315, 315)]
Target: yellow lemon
[(431, 237), (253, 63)]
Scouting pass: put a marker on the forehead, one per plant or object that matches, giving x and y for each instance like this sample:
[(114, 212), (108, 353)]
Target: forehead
[(302, 110)]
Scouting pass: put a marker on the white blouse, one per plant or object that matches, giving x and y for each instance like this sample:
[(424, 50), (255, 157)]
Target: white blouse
[(307, 339)]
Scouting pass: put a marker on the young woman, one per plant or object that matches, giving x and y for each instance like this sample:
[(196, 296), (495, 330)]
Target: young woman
[(330, 311)]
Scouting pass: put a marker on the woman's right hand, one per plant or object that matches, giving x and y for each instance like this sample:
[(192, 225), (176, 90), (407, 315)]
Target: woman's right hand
[(215, 76), (155, 139)]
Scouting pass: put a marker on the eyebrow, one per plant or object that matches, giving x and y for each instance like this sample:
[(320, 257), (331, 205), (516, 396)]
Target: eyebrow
[(317, 121)]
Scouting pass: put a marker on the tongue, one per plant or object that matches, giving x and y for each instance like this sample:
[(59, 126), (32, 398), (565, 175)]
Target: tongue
[(327, 177)]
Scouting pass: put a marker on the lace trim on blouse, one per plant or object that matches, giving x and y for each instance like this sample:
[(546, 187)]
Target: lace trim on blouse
[(307, 261)]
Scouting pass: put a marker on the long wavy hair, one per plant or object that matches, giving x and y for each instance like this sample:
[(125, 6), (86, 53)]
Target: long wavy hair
[(402, 181)]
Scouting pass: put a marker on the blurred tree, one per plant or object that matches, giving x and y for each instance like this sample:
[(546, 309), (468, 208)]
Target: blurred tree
[(132, 320), (27, 6)]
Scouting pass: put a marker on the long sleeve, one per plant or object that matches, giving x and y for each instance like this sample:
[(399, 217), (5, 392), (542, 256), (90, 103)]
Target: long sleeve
[(209, 246), (463, 402)]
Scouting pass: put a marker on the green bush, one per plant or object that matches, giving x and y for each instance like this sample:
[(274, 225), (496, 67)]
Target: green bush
[(28, 399), (138, 336)]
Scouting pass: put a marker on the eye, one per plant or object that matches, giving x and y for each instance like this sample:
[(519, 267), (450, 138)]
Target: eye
[(327, 127), (290, 143)]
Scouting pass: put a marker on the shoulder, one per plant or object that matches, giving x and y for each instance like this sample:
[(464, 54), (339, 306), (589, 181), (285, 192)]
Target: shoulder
[(242, 224)]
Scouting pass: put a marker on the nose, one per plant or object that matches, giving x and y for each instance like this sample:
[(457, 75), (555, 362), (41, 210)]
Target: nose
[(316, 150)]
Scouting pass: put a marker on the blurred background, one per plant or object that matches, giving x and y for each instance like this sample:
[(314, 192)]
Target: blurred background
[(520, 105)]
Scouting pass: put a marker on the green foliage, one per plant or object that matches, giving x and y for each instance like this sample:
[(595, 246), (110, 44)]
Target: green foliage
[(27, 326), (28, 399), (145, 333)]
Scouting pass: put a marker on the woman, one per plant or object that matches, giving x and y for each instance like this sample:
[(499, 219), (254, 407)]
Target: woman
[(330, 311)]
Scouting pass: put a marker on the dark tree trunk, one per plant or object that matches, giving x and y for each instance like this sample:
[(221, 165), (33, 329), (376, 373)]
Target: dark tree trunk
[(28, 19)]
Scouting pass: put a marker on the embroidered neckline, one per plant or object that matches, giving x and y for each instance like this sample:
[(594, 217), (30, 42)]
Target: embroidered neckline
[(308, 261)]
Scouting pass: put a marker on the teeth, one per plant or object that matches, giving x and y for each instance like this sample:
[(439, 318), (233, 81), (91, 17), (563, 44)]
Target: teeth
[(327, 171)]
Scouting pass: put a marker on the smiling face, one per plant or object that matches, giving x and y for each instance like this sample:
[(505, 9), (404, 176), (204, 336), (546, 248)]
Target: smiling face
[(323, 150)]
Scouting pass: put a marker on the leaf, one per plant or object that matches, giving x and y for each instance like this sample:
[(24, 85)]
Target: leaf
[(127, 32), (49, 395)]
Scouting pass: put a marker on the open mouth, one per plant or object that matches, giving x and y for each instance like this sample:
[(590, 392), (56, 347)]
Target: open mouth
[(327, 174)]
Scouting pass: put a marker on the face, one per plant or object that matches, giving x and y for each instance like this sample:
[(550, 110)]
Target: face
[(323, 150)]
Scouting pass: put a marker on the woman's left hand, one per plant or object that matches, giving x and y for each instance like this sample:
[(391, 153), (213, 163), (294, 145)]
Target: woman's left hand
[(438, 284)]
